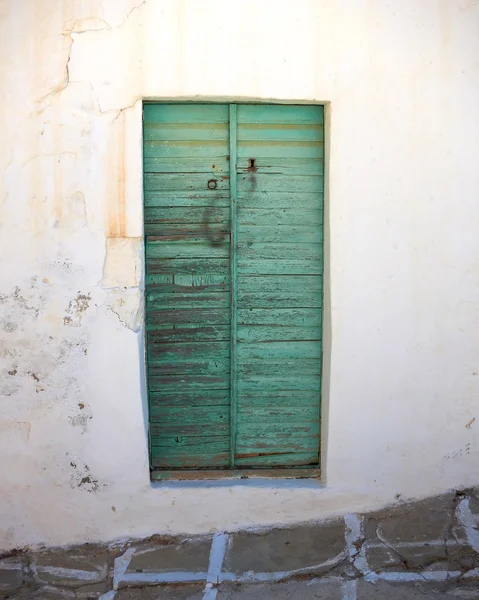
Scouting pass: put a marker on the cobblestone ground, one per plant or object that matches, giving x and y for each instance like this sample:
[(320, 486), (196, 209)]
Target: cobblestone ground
[(427, 550)]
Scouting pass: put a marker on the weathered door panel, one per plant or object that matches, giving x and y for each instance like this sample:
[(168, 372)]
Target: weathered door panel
[(279, 285), (186, 189), (233, 329)]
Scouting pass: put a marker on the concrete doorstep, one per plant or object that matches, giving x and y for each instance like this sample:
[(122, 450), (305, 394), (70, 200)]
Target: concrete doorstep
[(427, 549)]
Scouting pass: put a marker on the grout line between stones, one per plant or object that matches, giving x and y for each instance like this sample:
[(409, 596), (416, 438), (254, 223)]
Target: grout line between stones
[(349, 589), (217, 555)]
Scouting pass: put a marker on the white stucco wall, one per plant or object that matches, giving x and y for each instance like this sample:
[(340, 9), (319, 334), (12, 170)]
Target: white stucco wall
[(401, 79)]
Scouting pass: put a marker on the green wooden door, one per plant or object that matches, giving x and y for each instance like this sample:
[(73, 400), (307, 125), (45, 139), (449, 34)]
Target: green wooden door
[(233, 232)]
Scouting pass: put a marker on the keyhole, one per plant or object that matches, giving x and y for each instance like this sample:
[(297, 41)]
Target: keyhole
[(252, 163)]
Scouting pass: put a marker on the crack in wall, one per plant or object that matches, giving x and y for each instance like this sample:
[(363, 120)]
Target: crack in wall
[(62, 86)]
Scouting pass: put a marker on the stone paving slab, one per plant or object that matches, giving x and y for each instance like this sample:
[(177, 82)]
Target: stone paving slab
[(167, 592), (190, 555), (413, 590), (286, 549), (76, 568), (12, 574), (292, 590)]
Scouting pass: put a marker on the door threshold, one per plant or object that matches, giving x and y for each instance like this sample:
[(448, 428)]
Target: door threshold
[(183, 474)]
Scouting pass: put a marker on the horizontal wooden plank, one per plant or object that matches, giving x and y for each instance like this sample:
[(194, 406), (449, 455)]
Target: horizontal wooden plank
[(202, 267), (196, 246), (191, 443), (291, 234), (281, 368), (155, 291), (188, 368), (282, 459), (277, 200), (280, 284), (212, 151), (279, 351), (260, 429), (176, 316), (283, 317), (194, 280), (203, 199), (277, 380), (181, 182), (190, 351), (196, 429), (275, 333), (301, 471), (191, 215), (280, 291), (192, 358), (283, 299), (277, 442), (279, 251), (158, 335), (193, 398), (216, 233), (293, 114), (284, 132), (188, 459), (281, 166), (171, 164), (253, 182), (186, 131), (163, 414), (268, 397), (172, 383), (264, 217), (260, 266), (193, 302), (250, 413), (258, 150), (185, 113)]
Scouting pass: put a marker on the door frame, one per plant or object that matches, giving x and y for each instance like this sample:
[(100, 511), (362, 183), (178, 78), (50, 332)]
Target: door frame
[(276, 472)]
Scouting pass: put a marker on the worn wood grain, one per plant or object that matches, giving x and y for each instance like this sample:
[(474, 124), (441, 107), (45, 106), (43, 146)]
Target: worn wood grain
[(277, 333), (159, 164), (267, 132), (279, 114), (277, 165), (251, 148), (185, 113), (161, 333), (193, 398), (294, 234), (271, 217), (185, 132), (180, 182), (156, 267), (188, 215), (185, 199), (280, 459), (283, 266), (280, 199)]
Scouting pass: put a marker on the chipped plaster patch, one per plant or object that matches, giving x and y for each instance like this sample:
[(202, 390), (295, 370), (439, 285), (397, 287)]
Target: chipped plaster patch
[(75, 310), (121, 268), (126, 304), (81, 478)]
